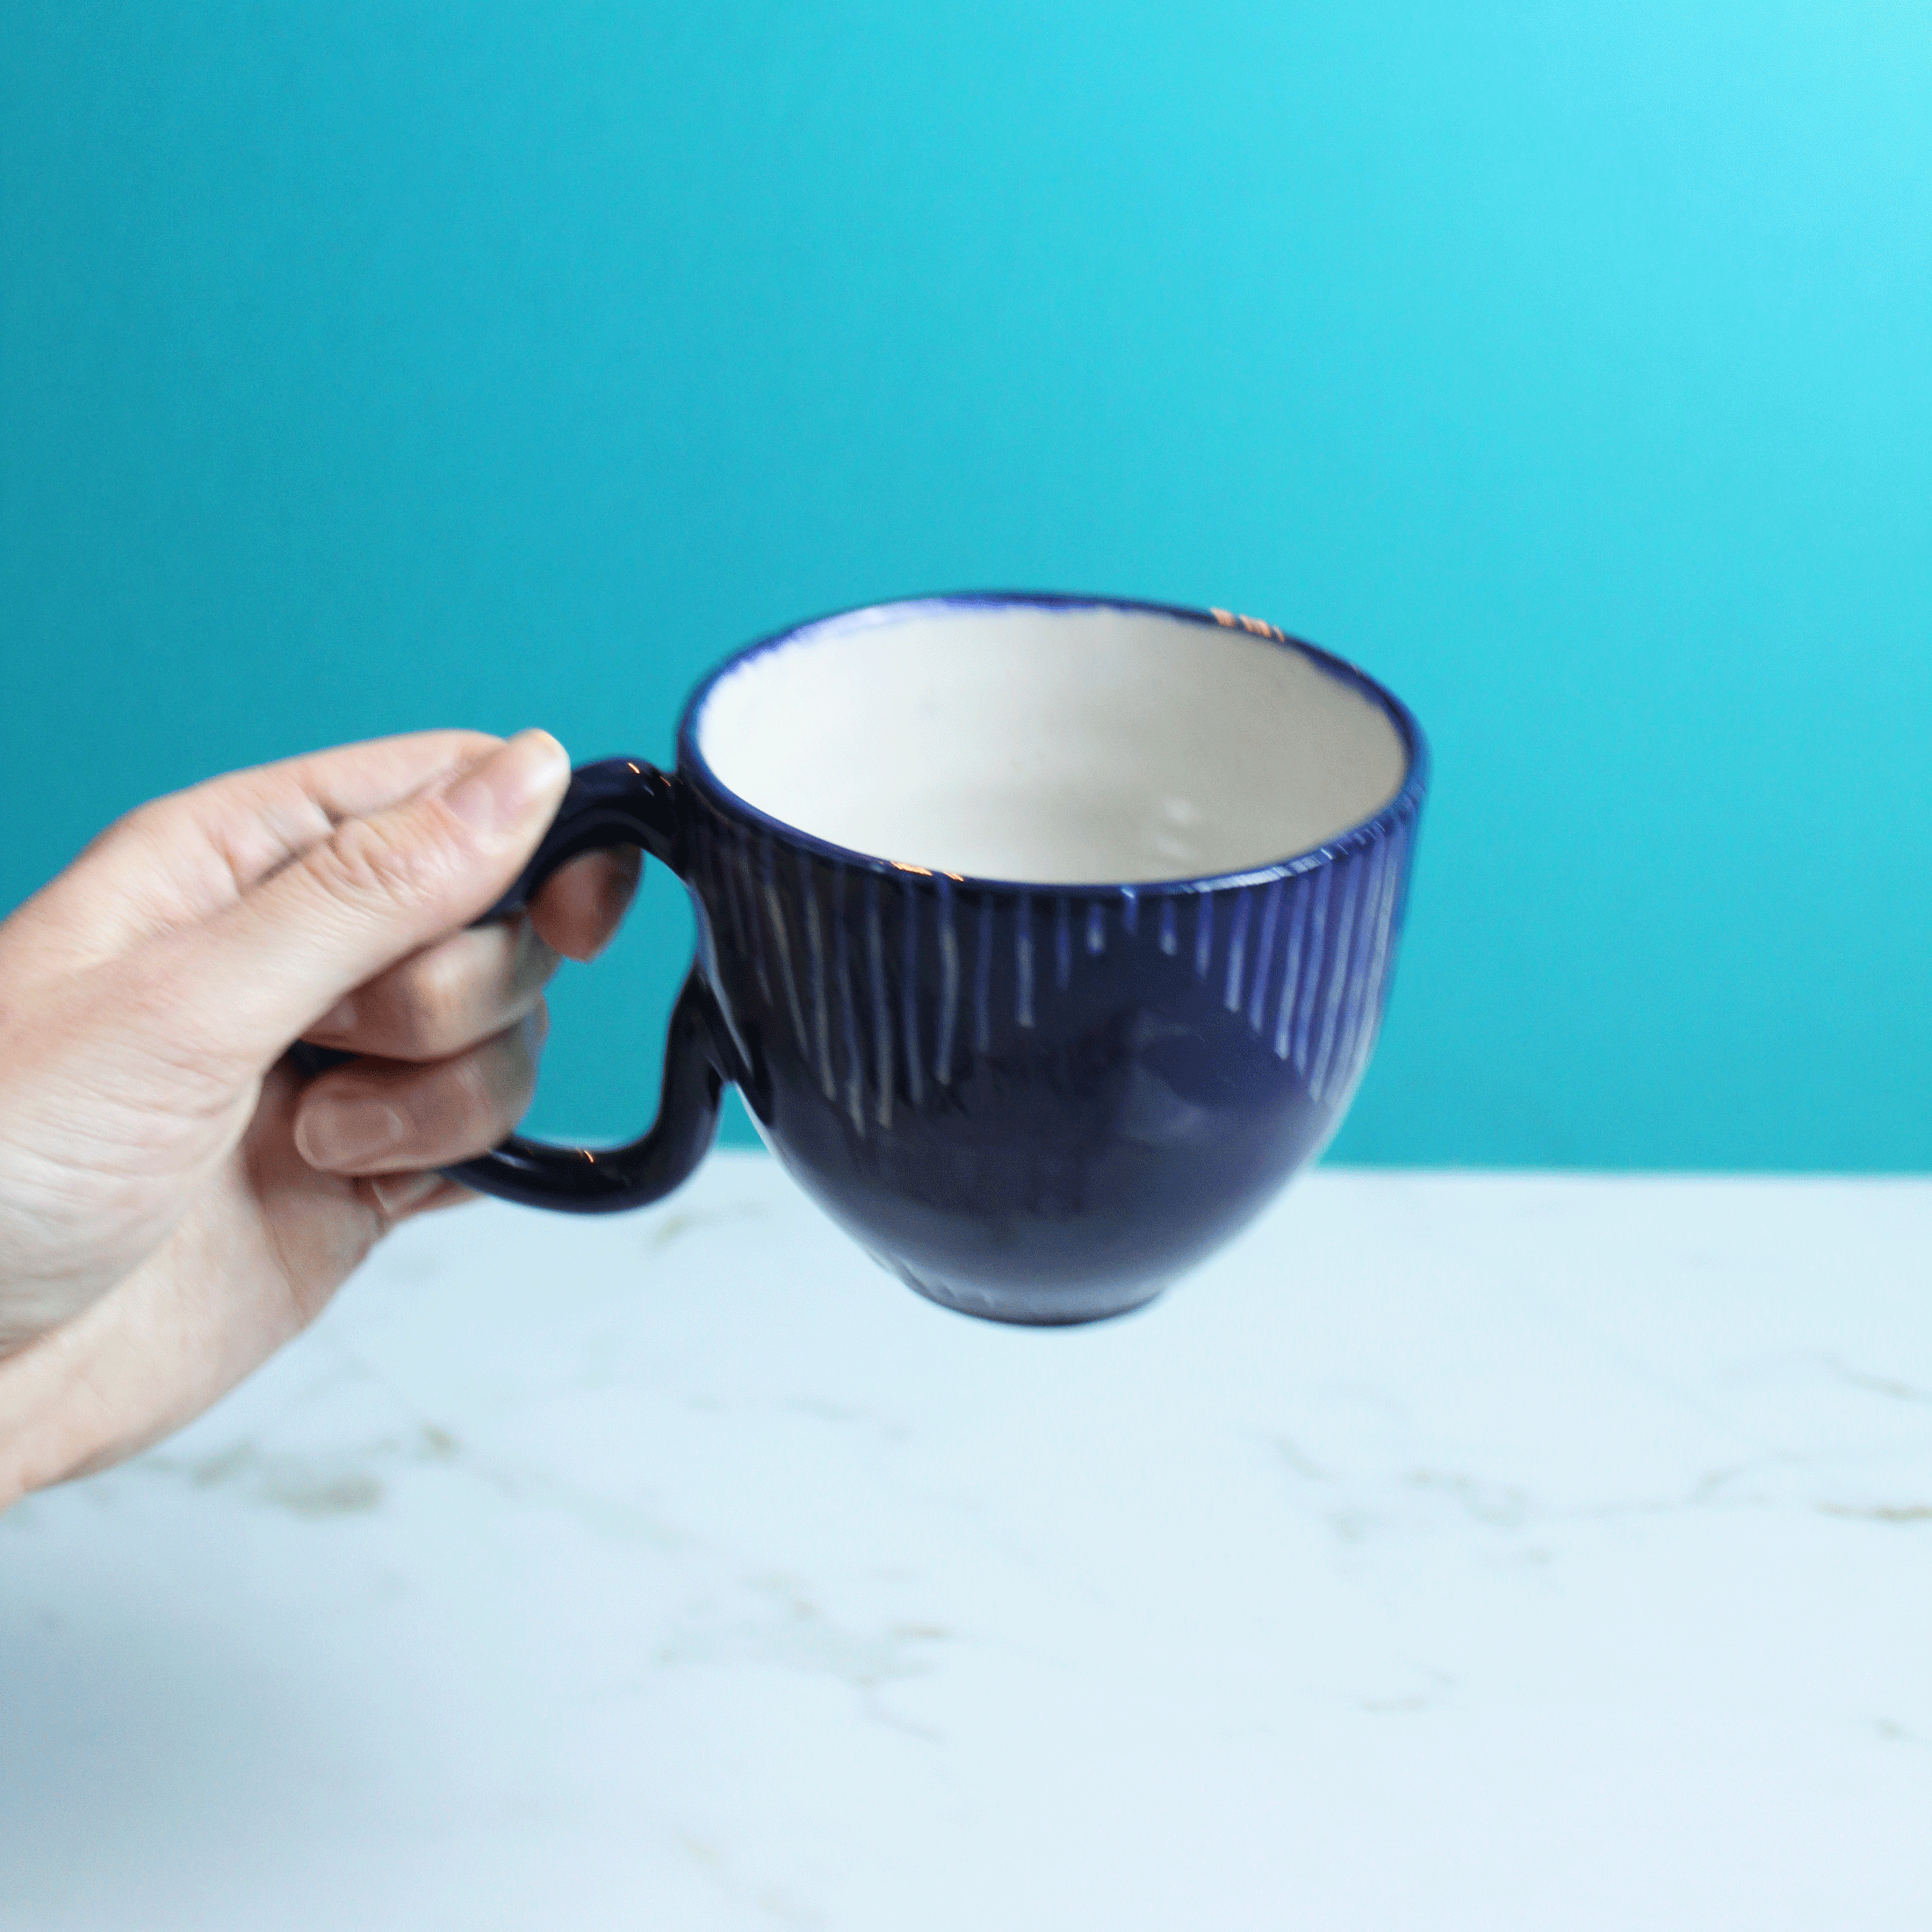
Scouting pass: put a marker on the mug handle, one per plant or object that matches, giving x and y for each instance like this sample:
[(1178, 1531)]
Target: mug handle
[(618, 801)]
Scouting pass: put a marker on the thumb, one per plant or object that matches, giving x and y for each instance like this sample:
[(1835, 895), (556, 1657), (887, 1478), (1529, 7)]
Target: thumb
[(379, 888)]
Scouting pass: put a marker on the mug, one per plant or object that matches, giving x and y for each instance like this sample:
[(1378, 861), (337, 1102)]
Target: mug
[(1046, 937)]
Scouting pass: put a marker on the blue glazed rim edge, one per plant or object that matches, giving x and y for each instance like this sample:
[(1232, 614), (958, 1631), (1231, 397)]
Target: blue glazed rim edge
[(1405, 805)]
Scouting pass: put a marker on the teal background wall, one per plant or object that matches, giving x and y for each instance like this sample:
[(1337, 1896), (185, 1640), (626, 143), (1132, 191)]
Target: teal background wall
[(369, 367)]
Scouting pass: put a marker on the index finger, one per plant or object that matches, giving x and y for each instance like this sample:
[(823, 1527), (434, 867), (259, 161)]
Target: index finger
[(183, 858)]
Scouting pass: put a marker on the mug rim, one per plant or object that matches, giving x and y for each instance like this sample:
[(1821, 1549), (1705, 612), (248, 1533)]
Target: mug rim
[(1407, 801)]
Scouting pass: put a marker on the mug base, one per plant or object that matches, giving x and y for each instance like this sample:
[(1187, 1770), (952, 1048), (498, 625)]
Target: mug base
[(1029, 1308)]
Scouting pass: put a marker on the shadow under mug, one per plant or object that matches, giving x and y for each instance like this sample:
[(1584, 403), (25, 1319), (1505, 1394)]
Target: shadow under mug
[(1045, 937)]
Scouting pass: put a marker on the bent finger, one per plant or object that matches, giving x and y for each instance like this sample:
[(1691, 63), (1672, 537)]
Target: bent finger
[(376, 891), (183, 858), (389, 1117), (446, 999)]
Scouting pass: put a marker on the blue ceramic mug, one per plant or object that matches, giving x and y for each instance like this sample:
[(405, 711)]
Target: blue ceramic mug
[(1045, 937)]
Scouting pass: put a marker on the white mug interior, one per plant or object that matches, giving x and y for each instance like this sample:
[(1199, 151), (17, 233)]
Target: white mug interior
[(1051, 744)]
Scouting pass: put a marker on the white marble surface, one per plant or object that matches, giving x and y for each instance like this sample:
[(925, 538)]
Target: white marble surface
[(1457, 1552)]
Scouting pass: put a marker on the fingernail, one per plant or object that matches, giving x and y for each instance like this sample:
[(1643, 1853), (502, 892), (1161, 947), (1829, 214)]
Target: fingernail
[(397, 1193), (339, 1136), (498, 794)]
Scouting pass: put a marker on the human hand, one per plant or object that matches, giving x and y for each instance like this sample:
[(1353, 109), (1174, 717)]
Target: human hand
[(175, 1203)]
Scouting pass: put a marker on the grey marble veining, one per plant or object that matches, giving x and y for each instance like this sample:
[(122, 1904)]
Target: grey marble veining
[(1561, 1555)]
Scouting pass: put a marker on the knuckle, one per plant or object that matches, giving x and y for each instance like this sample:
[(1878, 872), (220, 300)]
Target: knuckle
[(503, 1082), (365, 862), (476, 1103), (156, 817), (465, 1118), (433, 998), (150, 828), (523, 1085)]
